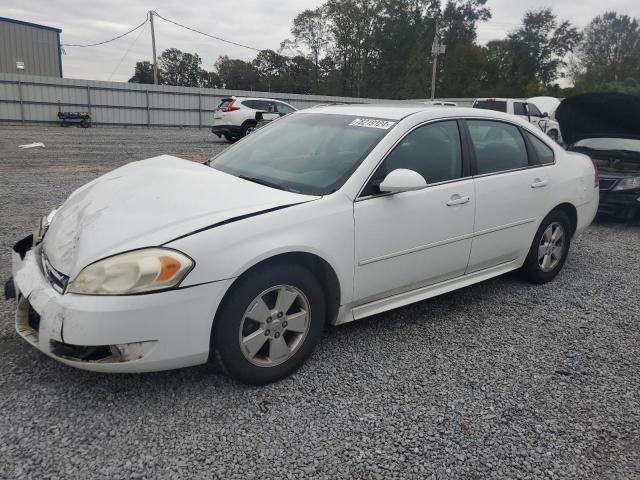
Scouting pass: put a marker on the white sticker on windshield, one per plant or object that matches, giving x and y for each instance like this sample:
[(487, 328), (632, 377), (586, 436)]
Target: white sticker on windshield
[(372, 123)]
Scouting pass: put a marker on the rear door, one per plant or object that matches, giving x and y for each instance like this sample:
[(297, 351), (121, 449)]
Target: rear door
[(511, 184)]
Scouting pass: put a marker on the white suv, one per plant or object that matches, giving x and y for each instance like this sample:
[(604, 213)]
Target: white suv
[(525, 110), (235, 117)]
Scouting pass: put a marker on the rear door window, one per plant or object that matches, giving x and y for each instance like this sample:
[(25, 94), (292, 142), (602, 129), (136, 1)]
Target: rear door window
[(494, 105), (518, 108), (498, 146), (265, 106)]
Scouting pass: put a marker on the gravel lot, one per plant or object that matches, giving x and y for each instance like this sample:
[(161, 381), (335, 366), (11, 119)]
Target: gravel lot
[(499, 380)]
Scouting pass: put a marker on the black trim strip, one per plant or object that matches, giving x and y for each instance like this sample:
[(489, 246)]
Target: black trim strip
[(232, 220)]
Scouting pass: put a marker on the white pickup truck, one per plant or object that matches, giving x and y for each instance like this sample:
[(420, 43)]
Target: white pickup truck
[(523, 109)]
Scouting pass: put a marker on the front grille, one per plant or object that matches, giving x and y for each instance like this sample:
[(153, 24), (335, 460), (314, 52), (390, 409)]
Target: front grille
[(57, 280), (607, 183)]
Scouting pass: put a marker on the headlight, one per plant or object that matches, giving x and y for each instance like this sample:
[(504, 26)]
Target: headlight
[(138, 271), (628, 183)]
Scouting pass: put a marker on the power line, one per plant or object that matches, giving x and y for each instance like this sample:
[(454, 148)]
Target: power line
[(127, 52), (208, 35), (110, 40)]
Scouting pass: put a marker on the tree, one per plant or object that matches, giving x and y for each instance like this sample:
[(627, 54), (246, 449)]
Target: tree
[(609, 52), (353, 24), (462, 67), (532, 57), (237, 74), (209, 79), (180, 68), (143, 73), (540, 46), (310, 30)]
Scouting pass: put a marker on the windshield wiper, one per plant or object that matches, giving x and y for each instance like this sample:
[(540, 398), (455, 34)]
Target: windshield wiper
[(260, 181)]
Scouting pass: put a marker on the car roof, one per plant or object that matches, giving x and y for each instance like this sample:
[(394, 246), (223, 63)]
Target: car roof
[(400, 111), (260, 98), (499, 99)]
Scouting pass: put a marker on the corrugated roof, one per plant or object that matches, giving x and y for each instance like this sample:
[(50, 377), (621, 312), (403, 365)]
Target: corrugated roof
[(29, 24)]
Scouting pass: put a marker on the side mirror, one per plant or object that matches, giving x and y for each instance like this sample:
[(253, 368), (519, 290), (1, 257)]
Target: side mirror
[(402, 180)]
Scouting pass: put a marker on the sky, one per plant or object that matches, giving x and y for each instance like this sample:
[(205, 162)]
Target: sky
[(258, 23)]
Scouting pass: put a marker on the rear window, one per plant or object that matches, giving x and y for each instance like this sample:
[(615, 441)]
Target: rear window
[(495, 105), (225, 103)]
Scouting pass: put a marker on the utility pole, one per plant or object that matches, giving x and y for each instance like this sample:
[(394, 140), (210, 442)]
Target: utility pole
[(153, 44), (436, 49)]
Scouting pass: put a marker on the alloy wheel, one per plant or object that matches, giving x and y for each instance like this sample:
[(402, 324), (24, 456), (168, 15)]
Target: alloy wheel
[(551, 247), (274, 326)]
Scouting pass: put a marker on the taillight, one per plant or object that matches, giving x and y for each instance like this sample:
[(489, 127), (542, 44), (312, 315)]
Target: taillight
[(230, 107), (596, 175)]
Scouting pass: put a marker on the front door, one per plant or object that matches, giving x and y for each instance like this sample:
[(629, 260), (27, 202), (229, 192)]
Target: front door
[(411, 239)]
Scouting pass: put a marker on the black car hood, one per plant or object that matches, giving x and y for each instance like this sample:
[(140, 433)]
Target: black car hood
[(592, 115)]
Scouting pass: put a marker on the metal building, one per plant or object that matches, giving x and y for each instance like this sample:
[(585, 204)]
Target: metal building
[(29, 48)]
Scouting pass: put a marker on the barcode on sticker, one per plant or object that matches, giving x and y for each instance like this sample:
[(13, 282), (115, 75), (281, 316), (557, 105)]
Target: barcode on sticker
[(372, 123)]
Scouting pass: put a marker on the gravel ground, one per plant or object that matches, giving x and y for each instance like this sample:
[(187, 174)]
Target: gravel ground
[(499, 380)]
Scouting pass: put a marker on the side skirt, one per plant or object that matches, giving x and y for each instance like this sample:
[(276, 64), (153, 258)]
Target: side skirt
[(423, 293)]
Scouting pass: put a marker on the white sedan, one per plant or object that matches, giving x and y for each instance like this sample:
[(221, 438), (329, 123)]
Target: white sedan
[(331, 215)]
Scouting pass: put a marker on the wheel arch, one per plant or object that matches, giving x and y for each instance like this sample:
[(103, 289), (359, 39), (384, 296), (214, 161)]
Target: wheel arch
[(248, 122), (318, 266), (571, 211)]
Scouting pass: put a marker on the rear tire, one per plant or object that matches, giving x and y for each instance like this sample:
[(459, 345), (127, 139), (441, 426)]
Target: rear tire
[(268, 324), (248, 127), (553, 135), (549, 249)]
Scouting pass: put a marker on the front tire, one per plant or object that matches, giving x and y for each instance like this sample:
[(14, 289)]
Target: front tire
[(268, 324), (549, 249), (553, 135)]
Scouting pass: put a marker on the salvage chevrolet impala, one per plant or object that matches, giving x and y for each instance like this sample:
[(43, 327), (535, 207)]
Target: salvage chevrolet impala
[(331, 215)]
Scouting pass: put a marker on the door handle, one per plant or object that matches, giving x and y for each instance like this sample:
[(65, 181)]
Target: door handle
[(457, 200), (539, 183)]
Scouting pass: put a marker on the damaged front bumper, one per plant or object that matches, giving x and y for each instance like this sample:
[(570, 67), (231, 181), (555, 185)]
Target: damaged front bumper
[(128, 333)]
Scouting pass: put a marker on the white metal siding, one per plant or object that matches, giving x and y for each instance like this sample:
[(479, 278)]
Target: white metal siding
[(130, 103)]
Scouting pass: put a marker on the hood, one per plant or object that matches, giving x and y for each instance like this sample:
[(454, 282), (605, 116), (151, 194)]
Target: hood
[(148, 203), (593, 115), (545, 104)]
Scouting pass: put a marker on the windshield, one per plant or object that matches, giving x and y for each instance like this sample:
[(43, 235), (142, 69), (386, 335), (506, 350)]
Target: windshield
[(621, 144), (307, 153), (495, 105)]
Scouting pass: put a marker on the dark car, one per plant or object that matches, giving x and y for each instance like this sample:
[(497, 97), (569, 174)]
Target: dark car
[(606, 127)]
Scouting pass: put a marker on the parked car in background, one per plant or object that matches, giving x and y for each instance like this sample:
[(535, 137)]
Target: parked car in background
[(327, 215), (442, 103), (525, 110), (235, 117), (606, 126)]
